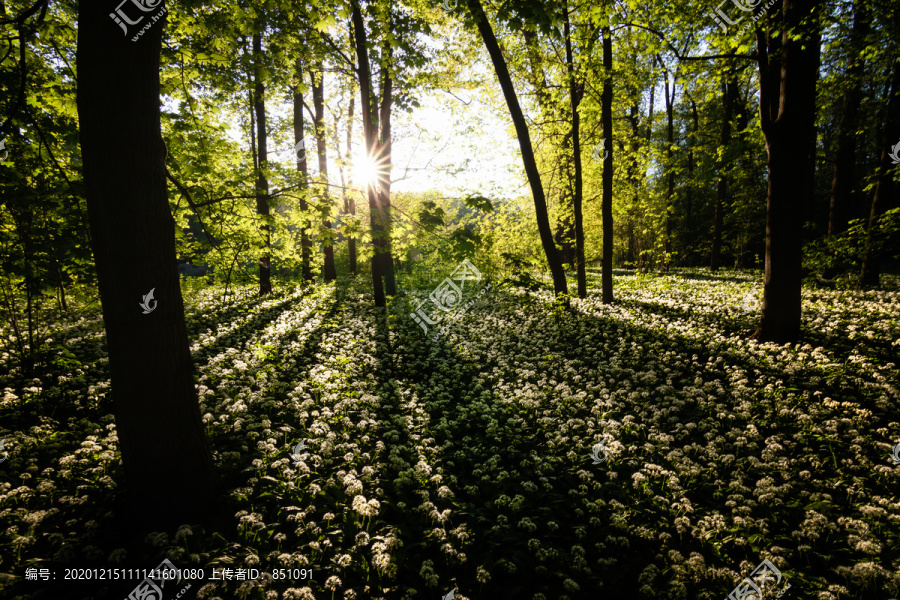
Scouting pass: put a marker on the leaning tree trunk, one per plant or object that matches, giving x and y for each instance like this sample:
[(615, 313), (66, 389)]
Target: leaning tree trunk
[(262, 181), (606, 202), (534, 177), (318, 90), (299, 136), (370, 129), (788, 69), (169, 471)]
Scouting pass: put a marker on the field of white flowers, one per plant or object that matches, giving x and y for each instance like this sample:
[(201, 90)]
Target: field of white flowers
[(465, 462)]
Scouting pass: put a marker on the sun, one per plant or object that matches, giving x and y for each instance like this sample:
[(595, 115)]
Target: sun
[(365, 170)]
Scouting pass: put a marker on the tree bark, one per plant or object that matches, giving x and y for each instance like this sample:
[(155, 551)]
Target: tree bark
[(689, 189), (670, 177), (606, 203), (841, 204), (299, 136), (534, 177), (317, 79), (722, 183), (262, 181), (788, 69), (169, 471), (370, 131), (384, 172), (575, 94), (349, 200), (887, 192)]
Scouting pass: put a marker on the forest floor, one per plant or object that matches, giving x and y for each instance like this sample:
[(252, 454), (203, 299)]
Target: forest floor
[(465, 462)]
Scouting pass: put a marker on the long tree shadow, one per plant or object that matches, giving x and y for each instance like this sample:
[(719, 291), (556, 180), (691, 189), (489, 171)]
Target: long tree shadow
[(464, 427)]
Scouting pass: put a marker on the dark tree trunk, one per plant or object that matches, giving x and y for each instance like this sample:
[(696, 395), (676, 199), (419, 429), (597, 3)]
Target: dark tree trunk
[(349, 200), (722, 183), (534, 177), (318, 91), (840, 208), (670, 187), (299, 136), (689, 189), (262, 181), (384, 174), (576, 92), (169, 471), (887, 192), (788, 69), (370, 131), (606, 203)]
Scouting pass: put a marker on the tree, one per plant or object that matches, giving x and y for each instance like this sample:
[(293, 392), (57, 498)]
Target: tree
[(302, 169), (262, 165), (576, 93), (606, 202), (788, 60), (534, 178), (168, 466), (377, 217), (840, 207), (887, 190), (729, 91), (318, 91)]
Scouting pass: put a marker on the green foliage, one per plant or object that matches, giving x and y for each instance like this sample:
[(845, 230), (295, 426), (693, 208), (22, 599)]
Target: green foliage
[(837, 260)]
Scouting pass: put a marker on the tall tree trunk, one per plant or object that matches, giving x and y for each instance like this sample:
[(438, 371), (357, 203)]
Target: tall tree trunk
[(370, 131), (689, 188), (349, 200), (670, 178), (299, 136), (606, 203), (169, 471), (534, 177), (575, 94), (788, 69), (317, 79), (262, 181), (887, 192), (722, 183), (384, 172)]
